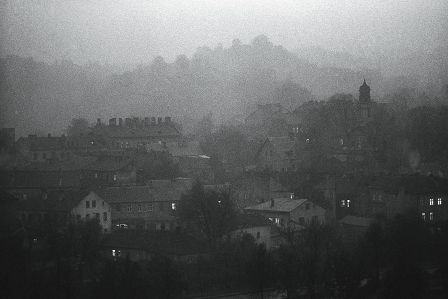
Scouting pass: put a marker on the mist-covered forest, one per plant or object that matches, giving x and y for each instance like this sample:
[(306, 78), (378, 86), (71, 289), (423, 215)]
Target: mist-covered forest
[(38, 97)]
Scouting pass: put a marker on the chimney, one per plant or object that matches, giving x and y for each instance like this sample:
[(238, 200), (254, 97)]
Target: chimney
[(135, 121), (127, 121), (112, 122), (120, 121), (272, 203), (153, 120), (167, 119), (98, 121), (49, 135), (63, 135), (159, 120)]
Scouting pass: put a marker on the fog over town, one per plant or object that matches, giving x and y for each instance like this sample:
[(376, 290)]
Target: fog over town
[(185, 149)]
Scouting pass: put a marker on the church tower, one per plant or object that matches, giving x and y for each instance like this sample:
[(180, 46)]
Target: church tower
[(365, 103), (364, 93)]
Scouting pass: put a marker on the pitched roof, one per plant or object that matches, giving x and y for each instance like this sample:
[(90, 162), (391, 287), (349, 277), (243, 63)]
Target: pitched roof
[(139, 194), (280, 205), (107, 164), (140, 131), (56, 201), (34, 142), (356, 221), (155, 241), (40, 179), (250, 220)]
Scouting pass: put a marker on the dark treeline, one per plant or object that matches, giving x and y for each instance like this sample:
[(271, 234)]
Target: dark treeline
[(317, 262), (227, 81)]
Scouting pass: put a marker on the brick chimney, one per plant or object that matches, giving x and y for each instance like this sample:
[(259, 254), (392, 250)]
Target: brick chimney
[(112, 122), (49, 135), (120, 121), (127, 121), (159, 120), (98, 121), (153, 120)]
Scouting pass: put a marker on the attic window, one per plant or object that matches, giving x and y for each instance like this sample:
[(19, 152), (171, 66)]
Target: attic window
[(173, 206)]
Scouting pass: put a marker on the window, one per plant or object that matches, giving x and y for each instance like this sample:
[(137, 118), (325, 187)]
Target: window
[(129, 208), (105, 216), (258, 235), (307, 140), (292, 195), (270, 218), (113, 252), (115, 177), (87, 204), (431, 201), (118, 208), (282, 222), (307, 206), (93, 203), (348, 203), (35, 156), (277, 221), (97, 216), (173, 206), (342, 203), (139, 208), (150, 207), (423, 216), (439, 201), (78, 217), (431, 216)]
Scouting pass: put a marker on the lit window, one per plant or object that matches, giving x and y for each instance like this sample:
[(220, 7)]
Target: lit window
[(277, 221), (348, 203), (342, 203), (115, 177), (423, 216), (431, 201), (439, 201), (35, 241), (431, 216), (307, 140), (270, 218), (113, 252), (292, 195), (173, 206)]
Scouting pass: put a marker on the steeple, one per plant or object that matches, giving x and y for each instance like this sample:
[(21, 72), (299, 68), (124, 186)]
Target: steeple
[(364, 93)]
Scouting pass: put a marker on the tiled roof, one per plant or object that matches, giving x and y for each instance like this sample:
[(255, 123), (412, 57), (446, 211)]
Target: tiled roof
[(40, 179), (356, 221), (139, 194), (280, 205), (140, 131), (107, 164), (55, 201), (283, 143), (35, 142), (250, 220), (155, 241)]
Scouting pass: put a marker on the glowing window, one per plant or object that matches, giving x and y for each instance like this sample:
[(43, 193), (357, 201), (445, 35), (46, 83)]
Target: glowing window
[(423, 216), (431, 201), (431, 216), (439, 201)]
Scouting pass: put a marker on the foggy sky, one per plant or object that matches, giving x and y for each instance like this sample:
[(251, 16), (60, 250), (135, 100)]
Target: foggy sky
[(135, 31)]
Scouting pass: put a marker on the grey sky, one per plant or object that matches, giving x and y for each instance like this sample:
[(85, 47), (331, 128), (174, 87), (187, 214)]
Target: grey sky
[(135, 31)]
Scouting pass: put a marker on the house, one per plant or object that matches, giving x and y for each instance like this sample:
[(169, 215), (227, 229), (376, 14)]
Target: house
[(60, 148), (141, 245), (64, 206), (258, 226), (277, 154), (285, 212), (249, 189), (24, 184), (109, 170), (353, 227), (146, 207), (133, 133)]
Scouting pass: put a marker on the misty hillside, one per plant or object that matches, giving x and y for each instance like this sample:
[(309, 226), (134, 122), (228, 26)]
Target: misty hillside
[(37, 97)]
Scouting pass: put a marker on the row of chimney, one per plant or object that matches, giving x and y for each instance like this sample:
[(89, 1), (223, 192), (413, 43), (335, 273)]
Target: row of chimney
[(135, 121)]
